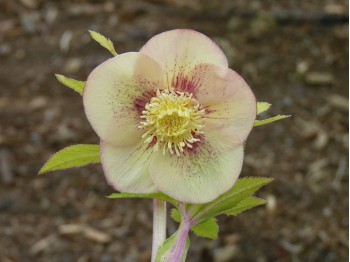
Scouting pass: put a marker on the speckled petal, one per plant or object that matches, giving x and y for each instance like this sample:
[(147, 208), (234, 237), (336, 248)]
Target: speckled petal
[(229, 102), (199, 175), (115, 92), (179, 51), (127, 168)]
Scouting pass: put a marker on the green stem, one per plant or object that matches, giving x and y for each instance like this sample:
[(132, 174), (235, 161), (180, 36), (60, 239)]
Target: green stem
[(159, 226)]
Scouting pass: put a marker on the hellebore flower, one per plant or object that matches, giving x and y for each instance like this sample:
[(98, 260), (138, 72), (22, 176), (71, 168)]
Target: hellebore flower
[(172, 118)]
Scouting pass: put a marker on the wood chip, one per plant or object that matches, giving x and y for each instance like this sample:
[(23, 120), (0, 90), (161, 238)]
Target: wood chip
[(319, 78), (7, 175), (70, 229), (96, 235), (38, 102), (271, 203), (226, 253), (87, 231), (306, 128), (318, 165), (321, 140), (32, 4), (335, 9), (42, 244), (339, 102)]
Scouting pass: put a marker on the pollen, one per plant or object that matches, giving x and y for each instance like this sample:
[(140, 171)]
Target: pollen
[(173, 121)]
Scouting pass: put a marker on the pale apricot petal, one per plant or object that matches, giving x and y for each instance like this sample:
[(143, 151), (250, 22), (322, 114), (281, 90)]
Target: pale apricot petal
[(229, 102), (127, 168), (113, 94), (199, 175), (178, 51)]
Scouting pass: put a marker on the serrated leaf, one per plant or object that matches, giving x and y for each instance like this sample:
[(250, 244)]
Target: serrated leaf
[(73, 156), (244, 205), (160, 196), (76, 85), (103, 41), (207, 229), (175, 215), (165, 249), (243, 188), (262, 107), (270, 120)]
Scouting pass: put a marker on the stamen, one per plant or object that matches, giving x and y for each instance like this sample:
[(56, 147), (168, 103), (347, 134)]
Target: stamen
[(172, 119)]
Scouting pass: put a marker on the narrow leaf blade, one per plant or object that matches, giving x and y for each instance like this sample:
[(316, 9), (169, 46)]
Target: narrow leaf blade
[(207, 229), (73, 156), (76, 85), (262, 107), (160, 196), (245, 204), (103, 41), (270, 120)]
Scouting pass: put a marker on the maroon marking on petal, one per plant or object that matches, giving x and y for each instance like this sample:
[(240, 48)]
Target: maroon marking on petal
[(152, 143), (195, 145), (191, 84), (183, 84), (207, 110), (141, 101)]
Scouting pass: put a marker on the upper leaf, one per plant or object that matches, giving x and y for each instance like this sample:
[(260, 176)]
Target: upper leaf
[(245, 204), (270, 120), (160, 196), (73, 156), (208, 229), (103, 41), (262, 107), (76, 85), (243, 188)]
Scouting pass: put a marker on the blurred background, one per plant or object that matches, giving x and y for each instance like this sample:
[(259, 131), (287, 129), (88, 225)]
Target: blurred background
[(293, 54)]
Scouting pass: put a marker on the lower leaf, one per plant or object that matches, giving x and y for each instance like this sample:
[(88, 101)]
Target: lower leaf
[(73, 156)]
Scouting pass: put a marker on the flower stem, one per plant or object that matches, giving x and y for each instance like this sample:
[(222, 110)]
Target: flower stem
[(159, 226)]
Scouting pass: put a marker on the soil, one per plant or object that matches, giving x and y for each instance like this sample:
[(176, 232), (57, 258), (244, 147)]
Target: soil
[(293, 54)]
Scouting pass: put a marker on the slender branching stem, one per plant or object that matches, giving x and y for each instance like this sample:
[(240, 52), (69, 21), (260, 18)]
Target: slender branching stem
[(159, 226)]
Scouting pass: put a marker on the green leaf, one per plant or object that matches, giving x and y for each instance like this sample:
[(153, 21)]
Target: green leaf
[(160, 196), (262, 107), (243, 188), (76, 85), (103, 41), (208, 229), (73, 156), (168, 245), (270, 120), (175, 215), (244, 205)]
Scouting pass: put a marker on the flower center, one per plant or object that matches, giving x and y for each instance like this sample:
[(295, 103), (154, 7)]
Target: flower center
[(172, 120)]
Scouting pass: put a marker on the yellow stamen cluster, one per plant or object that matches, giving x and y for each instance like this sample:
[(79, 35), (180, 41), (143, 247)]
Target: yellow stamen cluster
[(172, 120)]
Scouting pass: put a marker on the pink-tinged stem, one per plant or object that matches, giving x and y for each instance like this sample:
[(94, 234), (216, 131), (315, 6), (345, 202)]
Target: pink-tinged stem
[(159, 226), (177, 253)]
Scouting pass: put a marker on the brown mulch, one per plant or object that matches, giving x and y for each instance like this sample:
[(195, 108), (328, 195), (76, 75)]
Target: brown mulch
[(294, 54)]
